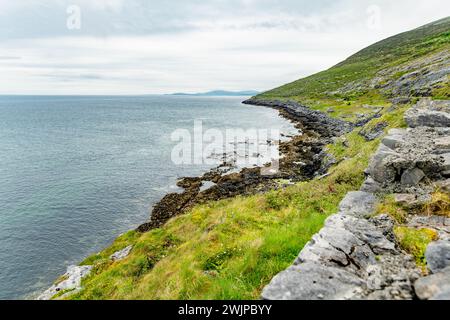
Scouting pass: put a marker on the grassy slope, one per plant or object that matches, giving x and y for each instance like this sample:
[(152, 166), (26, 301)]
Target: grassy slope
[(230, 249)]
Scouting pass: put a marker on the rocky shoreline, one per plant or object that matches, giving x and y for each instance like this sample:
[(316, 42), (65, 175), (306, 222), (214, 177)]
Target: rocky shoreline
[(303, 158)]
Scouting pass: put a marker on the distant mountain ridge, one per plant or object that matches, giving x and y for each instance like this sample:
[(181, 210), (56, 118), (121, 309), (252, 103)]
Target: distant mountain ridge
[(218, 93)]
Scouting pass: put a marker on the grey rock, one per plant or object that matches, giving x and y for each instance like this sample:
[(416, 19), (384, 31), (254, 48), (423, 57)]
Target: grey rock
[(121, 254), (438, 256), (371, 186), (358, 203), (443, 295), (380, 169), (375, 132), (412, 177), (394, 139), (365, 230), (434, 285), (313, 281), (425, 114), (72, 282), (442, 144), (406, 200), (446, 164)]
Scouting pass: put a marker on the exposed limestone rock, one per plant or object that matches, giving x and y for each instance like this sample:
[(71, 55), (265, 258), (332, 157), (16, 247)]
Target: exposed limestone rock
[(358, 203), (438, 255), (428, 113), (410, 158), (373, 133), (313, 281), (436, 286), (354, 256), (121, 254), (71, 282)]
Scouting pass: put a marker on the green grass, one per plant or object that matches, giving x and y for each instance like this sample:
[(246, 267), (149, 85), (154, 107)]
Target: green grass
[(230, 249), (415, 241), (325, 89)]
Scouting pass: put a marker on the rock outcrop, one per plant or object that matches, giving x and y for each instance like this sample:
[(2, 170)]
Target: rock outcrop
[(70, 283), (355, 255)]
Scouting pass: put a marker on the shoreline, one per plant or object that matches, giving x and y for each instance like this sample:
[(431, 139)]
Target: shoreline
[(302, 158)]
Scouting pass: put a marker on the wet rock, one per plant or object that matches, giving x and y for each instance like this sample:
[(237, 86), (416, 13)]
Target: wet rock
[(121, 254), (434, 285), (438, 256), (412, 177), (310, 119), (313, 281), (71, 282)]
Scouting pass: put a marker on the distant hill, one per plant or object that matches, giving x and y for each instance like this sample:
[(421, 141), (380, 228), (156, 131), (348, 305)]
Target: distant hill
[(219, 93)]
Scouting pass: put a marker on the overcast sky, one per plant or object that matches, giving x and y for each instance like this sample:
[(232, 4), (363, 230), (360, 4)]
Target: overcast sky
[(146, 46)]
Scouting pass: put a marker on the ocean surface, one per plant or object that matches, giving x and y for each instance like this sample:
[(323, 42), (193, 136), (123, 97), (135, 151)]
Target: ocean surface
[(76, 172)]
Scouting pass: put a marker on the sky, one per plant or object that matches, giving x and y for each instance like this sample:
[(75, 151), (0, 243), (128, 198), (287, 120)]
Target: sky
[(156, 47)]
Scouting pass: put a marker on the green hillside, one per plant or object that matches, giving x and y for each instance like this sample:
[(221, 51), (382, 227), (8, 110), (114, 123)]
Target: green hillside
[(360, 78), (231, 249)]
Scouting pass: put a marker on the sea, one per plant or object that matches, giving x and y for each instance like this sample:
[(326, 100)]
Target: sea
[(77, 171)]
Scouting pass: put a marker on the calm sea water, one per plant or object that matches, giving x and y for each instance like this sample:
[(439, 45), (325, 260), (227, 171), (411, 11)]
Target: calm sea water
[(76, 172)]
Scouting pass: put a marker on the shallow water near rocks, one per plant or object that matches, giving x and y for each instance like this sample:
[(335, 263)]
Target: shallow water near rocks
[(78, 171)]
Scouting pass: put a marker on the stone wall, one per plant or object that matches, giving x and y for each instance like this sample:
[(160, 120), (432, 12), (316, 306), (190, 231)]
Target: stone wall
[(355, 255)]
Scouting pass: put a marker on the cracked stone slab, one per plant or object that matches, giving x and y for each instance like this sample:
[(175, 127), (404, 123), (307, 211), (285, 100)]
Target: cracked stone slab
[(364, 230), (313, 281)]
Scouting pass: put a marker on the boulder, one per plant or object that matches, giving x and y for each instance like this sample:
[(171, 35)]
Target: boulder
[(433, 286), (394, 139), (438, 255)]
